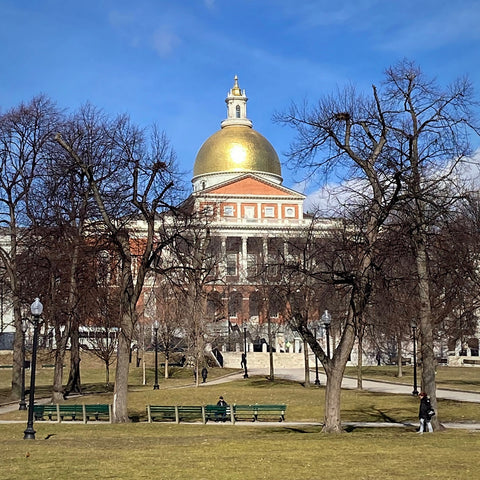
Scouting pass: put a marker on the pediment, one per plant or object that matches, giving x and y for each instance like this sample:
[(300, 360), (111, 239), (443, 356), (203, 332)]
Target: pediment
[(251, 185)]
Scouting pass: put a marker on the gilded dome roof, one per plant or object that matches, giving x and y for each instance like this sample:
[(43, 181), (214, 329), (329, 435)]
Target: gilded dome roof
[(236, 148)]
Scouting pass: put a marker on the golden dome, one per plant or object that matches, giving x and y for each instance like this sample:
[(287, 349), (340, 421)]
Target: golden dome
[(236, 148)]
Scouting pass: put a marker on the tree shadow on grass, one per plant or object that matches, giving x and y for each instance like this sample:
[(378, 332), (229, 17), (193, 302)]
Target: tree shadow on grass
[(374, 414)]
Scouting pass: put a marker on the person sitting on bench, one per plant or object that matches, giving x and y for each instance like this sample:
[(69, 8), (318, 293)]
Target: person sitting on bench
[(221, 415)]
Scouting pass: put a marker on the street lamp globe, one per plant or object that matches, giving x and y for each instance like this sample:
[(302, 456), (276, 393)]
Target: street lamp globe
[(327, 319), (36, 308)]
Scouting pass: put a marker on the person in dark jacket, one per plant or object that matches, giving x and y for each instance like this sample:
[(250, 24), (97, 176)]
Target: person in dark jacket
[(425, 413), (204, 374), (221, 414)]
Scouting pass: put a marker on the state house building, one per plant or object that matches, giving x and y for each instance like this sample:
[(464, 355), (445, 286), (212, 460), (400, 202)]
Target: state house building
[(237, 182)]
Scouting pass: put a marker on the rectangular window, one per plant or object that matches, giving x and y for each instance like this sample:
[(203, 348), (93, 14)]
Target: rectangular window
[(269, 212), (207, 209), (231, 264), (251, 264), (228, 211), (249, 212)]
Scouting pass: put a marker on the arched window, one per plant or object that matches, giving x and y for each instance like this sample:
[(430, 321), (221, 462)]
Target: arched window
[(214, 306), (254, 304), (235, 304), (237, 111)]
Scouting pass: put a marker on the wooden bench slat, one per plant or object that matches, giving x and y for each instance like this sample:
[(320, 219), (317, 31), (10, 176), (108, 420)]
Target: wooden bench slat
[(75, 411), (254, 411), (217, 412)]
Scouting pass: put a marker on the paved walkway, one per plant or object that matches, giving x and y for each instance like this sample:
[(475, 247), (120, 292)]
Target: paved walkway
[(298, 375)]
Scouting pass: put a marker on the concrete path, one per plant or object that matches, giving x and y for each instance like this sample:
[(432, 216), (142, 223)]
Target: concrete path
[(298, 375)]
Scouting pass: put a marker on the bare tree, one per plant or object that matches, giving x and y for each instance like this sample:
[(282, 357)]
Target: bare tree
[(197, 256), (429, 135), (166, 306), (24, 134), (387, 146), (351, 132), (129, 179)]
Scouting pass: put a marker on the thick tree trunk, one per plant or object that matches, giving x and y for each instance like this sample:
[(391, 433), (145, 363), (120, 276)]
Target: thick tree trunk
[(58, 392), (74, 383), (426, 330), (333, 422), (120, 393)]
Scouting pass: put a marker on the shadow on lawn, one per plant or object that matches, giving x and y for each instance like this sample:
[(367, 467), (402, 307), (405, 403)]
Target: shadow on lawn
[(374, 414), (264, 382)]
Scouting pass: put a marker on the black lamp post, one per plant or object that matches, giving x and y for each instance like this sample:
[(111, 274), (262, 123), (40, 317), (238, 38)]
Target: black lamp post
[(414, 330), (36, 309), (155, 329), (327, 320), (23, 405), (317, 379), (244, 359)]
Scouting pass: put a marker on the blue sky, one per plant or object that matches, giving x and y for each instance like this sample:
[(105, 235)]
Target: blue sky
[(171, 62)]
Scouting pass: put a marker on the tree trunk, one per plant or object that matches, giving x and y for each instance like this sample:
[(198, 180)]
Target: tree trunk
[(107, 373), (426, 330), (307, 364), (166, 366), (74, 383), (120, 393), (360, 360), (332, 422), (17, 351), (399, 357), (58, 392), (270, 349)]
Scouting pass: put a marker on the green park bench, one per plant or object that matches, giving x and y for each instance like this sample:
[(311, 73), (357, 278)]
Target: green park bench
[(470, 361), (253, 412), (100, 411), (6, 366), (218, 413), (177, 413), (161, 413), (58, 412)]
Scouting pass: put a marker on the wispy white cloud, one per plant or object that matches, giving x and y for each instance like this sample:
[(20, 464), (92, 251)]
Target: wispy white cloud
[(165, 41), (335, 198), (324, 13), (442, 26)]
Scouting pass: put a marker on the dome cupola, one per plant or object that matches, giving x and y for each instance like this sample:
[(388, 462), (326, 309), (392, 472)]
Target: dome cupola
[(235, 149)]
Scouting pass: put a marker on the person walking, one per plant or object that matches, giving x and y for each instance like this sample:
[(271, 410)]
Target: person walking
[(425, 413), (204, 374)]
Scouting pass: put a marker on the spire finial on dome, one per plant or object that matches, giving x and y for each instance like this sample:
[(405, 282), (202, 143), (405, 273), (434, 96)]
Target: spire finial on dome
[(236, 89), (236, 106)]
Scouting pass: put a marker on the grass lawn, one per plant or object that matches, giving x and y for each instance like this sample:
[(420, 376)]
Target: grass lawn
[(166, 451), (244, 451)]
